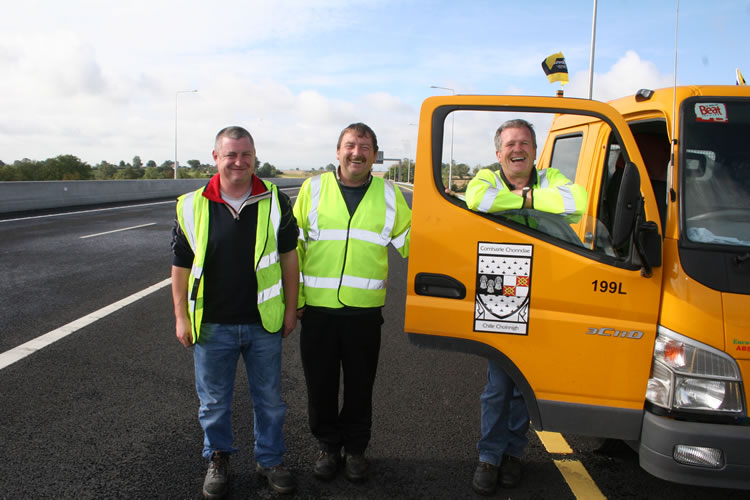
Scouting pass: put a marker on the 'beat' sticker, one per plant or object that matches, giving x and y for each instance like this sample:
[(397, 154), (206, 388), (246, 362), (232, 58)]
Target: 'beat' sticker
[(710, 112)]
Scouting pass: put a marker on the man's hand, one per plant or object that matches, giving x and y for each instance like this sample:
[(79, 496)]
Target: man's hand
[(290, 322), (184, 331), (300, 312)]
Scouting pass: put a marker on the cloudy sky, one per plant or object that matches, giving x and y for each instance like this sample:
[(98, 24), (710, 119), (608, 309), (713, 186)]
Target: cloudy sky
[(104, 80)]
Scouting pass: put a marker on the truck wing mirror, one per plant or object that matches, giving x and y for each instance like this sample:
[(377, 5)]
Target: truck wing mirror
[(628, 204)]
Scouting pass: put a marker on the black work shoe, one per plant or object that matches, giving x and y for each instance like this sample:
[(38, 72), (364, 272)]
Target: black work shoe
[(327, 465), (280, 479), (485, 478), (510, 471), (217, 477), (356, 467)]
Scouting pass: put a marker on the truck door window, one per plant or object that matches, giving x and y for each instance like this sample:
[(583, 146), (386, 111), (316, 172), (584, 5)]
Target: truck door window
[(565, 154), (468, 138)]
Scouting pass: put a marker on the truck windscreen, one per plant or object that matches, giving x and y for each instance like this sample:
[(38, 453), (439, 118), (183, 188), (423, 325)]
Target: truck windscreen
[(715, 171)]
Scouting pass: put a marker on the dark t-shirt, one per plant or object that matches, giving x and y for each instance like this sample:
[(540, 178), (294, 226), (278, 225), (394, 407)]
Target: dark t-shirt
[(230, 284)]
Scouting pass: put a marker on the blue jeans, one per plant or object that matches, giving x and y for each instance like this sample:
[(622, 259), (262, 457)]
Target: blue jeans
[(215, 355), (505, 419)]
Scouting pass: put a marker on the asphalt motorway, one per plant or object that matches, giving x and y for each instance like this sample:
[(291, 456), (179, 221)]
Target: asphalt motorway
[(109, 409)]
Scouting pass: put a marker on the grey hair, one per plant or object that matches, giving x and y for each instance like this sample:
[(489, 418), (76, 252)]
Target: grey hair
[(517, 123)]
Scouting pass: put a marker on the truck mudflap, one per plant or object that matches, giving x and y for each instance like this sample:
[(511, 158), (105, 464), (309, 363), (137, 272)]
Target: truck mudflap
[(662, 438)]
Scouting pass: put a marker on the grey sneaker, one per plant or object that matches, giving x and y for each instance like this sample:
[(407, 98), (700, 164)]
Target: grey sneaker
[(356, 467), (217, 477), (280, 479), (327, 465), (485, 478)]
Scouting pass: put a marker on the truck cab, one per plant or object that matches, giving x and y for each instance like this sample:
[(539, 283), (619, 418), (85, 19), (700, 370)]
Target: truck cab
[(630, 322)]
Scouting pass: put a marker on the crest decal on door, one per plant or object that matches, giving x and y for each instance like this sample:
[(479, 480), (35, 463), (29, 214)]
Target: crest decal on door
[(503, 288)]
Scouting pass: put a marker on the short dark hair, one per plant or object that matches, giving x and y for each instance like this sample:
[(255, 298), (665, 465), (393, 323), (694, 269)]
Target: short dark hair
[(360, 130), (517, 123), (233, 132)]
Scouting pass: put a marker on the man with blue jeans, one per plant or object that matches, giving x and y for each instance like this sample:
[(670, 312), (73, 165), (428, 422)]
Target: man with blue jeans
[(235, 279), (516, 185)]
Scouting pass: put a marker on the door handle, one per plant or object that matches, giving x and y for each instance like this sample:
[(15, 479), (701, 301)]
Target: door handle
[(439, 285)]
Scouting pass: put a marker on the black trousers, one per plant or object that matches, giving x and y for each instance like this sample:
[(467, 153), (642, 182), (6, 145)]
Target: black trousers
[(329, 345)]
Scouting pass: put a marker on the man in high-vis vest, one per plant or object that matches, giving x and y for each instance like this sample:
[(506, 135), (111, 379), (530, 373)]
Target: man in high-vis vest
[(347, 219), (517, 184), (235, 279)]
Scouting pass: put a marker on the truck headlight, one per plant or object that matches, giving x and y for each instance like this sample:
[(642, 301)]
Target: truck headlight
[(689, 375)]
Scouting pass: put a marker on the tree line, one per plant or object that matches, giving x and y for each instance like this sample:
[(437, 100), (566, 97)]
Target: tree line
[(71, 168), (460, 173)]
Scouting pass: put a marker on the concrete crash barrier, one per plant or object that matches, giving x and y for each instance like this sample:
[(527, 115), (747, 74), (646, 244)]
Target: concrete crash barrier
[(40, 195)]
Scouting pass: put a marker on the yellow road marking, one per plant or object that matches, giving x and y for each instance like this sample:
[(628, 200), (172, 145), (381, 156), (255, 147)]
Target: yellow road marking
[(578, 480), (554, 443)]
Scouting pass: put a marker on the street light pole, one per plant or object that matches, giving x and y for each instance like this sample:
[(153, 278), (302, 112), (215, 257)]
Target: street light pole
[(176, 94), (453, 124)]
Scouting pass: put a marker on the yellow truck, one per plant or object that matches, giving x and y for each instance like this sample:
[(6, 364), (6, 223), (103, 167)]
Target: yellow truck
[(631, 323)]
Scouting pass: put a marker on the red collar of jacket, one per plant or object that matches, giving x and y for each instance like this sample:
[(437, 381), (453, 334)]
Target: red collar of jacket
[(213, 190)]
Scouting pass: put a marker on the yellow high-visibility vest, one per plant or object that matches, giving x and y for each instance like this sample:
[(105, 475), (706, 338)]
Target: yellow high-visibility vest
[(192, 215), (344, 259)]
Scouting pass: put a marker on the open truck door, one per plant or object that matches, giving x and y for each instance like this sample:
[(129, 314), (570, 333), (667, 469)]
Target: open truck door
[(568, 307)]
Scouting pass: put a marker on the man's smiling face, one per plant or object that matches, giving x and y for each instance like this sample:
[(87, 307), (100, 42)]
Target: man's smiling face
[(517, 153), (356, 154)]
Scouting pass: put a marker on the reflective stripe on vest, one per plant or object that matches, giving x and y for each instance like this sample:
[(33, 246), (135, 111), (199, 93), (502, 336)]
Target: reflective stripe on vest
[(489, 196)]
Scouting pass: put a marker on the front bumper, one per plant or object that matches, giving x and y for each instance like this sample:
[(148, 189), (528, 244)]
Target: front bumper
[(660, 435)]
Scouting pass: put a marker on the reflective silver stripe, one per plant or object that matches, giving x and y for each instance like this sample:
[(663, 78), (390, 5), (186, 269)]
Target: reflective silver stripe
[(543, 181), (354, 234), (301, 235), (399, 240), (312, 217), (269, 293), (320, 282), (268, 260), (188, 218), (489, 196), (390, 211), (275, 215), (362, 283), (569, 202), (331, 235), (346, 280), (197, 272), (369, 236)]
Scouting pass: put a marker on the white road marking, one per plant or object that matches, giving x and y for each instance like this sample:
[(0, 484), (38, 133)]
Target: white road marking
[(87, 211), (18, 353), (118, 230)]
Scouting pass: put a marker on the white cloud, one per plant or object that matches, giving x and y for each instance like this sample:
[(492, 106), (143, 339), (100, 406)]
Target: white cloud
[(629, 74)]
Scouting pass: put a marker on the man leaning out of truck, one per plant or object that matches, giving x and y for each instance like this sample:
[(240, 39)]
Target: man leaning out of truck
[(517, 184)]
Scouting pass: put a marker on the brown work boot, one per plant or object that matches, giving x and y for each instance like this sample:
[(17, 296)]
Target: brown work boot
[(279, 478), (510, 471), (356, 467), (216, 483), (485, 478), (327, 465)]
